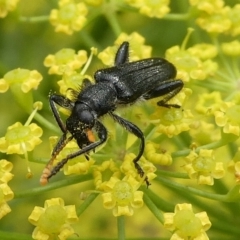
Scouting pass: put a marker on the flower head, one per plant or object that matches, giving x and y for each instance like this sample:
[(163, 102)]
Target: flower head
[(53, 220), (20, 138), (102, 173), (234, 16), (122, 196), (7, 6), (185, 224), (6, 194), (70, 17), (161, 157), (202, 166), (151, 8), (173, 121), (22, 78), (5, 168), (231, 48), (213, 16), (193, 63), (129, 169), (228, 117), (65, 61)]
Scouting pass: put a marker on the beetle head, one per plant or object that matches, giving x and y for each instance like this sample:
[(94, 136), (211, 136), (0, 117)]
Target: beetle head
[(79, 123)]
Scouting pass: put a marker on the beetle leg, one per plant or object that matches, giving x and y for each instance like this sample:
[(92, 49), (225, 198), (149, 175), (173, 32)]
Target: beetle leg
[(57, 149), (102, 134), (63, 102), (168, 89), (138, 133), (122, 54)]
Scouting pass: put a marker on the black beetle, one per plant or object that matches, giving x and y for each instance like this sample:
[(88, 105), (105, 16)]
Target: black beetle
[(123, 84)]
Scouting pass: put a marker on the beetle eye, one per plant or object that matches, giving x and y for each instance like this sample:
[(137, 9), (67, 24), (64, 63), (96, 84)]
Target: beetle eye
[(86, 117)]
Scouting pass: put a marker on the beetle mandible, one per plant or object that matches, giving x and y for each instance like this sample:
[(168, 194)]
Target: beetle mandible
[(123, 84)]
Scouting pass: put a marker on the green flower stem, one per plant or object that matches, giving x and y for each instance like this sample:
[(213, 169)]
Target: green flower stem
[(152, 207), (121, 227), (191, 190), (172, 174), (223, 58), (46, 123), (176, 16), (110, 14), (86, 203), (34, 19), (160, 203), (51, 186), (216, 85)]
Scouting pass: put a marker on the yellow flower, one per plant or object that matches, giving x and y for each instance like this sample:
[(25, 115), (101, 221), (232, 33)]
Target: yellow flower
[(234, 166), (71, 81), (122, 196), (203, 50), (104, 172), (234, 16), (5, 168), (202, 166), (231, 48), (53, 220), (70, 17), (190, 63), (200, 133), (6, 194), (187, 225), (151, 8), (23, 78), (129, 169), (156, 156), (7, 6), (173, 121), (228, 117), (216, 22), (136, 42), (208, 6), (208, 102), (20, 139), (65, 61)]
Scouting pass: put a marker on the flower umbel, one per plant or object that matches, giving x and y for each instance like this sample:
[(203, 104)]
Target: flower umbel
[(54, 220), (122, 196), (24, 78), (70, 17), (65, 61), (203, 166), (185, 224), (20, 138), (151, 8), (7, 6), (6, 194), (228, 117), (5, 168)]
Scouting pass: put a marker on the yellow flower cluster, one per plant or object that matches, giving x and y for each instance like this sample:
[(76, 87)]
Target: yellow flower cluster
[(151, 9), (53, 220), (185, 224), (69, 17), (6, 194)]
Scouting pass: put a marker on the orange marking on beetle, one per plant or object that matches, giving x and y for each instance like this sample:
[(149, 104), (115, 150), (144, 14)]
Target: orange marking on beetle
[(90, 135)]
